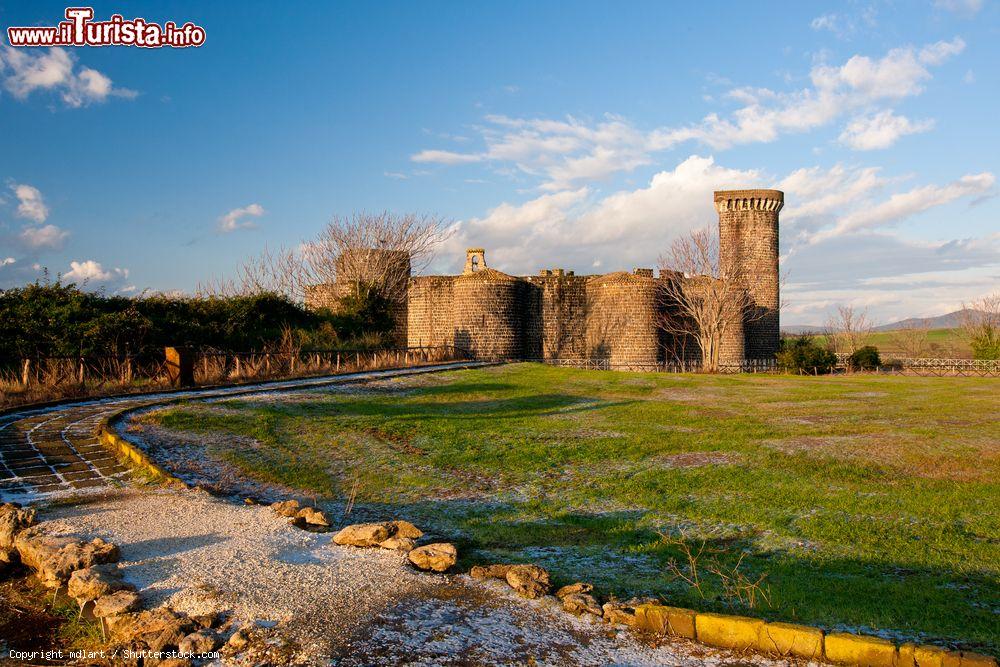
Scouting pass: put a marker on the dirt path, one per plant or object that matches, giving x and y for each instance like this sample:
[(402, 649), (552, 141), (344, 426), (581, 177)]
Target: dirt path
[(342, 605)]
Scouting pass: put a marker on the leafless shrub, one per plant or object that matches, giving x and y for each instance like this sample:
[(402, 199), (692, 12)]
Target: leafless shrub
[(700, 560), (705, 299), (372, 249), (912, 340), (979, 323), (849, 329)]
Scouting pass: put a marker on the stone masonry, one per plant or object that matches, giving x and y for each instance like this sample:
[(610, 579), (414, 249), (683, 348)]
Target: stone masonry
[(614, 317)]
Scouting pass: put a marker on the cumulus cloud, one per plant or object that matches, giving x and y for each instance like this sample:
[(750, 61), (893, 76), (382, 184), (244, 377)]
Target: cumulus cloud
[(25, 71), (7, 261), (44, 237), (30, 203), (880, 130), (237, 218), (577, 229), (569, 152), (93, 273)]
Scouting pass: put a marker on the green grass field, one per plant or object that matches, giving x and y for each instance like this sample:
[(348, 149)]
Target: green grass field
[(868, 503), (944, 343)]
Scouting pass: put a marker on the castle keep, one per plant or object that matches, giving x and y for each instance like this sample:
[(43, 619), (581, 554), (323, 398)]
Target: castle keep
[(616, 317)]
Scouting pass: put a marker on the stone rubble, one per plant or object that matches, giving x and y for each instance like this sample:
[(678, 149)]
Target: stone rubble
[(91, 583), (54, 558), (436, 557)]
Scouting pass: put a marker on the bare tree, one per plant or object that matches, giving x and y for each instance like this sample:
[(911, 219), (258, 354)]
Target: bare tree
[(849, 329), (979, 323), (704, 300), (911, 340), (366, 249)]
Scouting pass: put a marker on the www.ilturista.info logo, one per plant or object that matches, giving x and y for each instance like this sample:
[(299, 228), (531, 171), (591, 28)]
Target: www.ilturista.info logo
[(79, 29)]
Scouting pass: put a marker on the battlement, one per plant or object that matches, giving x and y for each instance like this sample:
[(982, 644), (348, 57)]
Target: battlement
[(749, 200)]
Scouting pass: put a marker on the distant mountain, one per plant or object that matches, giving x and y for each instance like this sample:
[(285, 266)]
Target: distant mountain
[(949, 321)]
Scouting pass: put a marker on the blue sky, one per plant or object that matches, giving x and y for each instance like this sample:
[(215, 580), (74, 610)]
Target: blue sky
[(585, 136)]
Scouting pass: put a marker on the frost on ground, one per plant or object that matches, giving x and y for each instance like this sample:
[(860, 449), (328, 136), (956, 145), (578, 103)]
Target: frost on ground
[(341, 605)]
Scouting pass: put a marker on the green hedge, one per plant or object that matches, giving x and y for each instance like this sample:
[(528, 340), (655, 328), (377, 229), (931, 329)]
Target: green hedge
[(56, 319)]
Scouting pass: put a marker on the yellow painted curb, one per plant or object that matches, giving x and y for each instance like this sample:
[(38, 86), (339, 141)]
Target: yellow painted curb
[(976, 660), (131, 454), (674, 621), (847, 649), (788, 639), (739, 632)]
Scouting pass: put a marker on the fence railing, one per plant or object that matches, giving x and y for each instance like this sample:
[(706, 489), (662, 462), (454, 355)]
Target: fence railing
[(939, 367), (48, 378), (687, 366)]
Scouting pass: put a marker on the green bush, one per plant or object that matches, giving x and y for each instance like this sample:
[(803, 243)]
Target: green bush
[(986, 345), (56, 319), (866, 358), (803, 353)]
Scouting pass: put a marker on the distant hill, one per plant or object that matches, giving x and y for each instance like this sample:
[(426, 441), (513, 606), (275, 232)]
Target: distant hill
[(796, 329), (948, 321)]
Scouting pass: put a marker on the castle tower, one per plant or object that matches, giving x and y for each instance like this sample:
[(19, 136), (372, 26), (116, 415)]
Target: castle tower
[(748, 251)]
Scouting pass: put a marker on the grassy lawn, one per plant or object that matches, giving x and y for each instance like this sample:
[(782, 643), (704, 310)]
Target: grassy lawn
[(945, 343), (867, 502)]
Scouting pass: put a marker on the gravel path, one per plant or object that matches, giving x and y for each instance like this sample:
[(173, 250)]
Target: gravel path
[(342, 605)]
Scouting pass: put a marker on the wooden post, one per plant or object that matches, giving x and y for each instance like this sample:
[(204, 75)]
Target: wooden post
[(26, 372), (180, 366)]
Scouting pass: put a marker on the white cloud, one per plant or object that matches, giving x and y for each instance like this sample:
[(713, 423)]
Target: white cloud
[(880, 130), (30, 203), (903, 205), (966, 7), (446, 157), (236, 219), (625, 229), (44, 237), (25, 72), (93, 273), (567, 153), (7, 261)]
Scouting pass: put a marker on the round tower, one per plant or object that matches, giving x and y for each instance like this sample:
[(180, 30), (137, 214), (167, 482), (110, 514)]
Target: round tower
[(622, 323), (748, 254), (485, 314)]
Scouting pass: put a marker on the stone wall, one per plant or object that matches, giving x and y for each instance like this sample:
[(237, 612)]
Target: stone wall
[(430, 311)]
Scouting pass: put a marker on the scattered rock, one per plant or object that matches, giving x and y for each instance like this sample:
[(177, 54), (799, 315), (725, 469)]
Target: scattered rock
[(582, 603), (239, 639), (54, 559), (209, 620), (362, 535), (623, 612), (117, 603), (490, 571), (436, 557), (530, 581), (404, 529), (397, 543), (312, 517), (288, 508), (13, 520), (157, 629), (91, 583), (202, 641), (573, 589)]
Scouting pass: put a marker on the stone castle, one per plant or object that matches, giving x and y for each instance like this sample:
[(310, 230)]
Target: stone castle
[(615, 318)]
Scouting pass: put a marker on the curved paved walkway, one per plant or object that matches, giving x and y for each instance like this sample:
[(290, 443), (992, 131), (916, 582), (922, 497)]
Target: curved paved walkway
[(53, 451)]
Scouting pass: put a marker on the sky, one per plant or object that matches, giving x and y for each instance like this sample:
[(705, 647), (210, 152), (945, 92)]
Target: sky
[(585, 136)]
